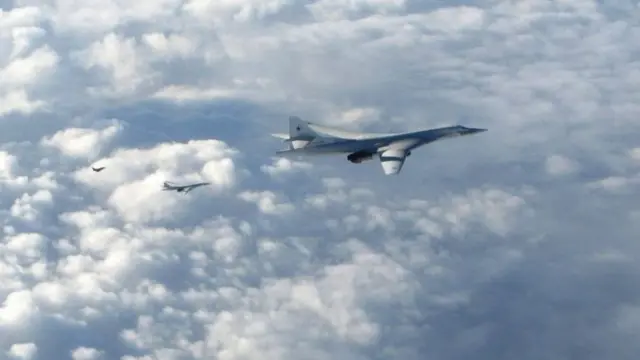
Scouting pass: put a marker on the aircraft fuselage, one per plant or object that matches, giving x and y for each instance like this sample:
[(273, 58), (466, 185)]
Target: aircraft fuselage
[(305, 138), (408, 141)]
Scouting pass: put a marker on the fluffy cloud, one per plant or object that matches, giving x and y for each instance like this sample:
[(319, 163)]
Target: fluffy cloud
[(82, 143), (266, 202), (560, 165), (283, 166), (83, 353), (135, 176), (23, 351), (516, 243)]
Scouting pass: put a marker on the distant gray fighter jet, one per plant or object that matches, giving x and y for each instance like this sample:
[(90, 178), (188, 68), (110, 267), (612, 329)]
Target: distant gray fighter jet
[(97, 169), (182, 188), (306, 138)]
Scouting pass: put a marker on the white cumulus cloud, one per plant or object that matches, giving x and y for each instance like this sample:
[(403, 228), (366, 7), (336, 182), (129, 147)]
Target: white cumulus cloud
[(23, 351), (81, 143), (559, 165), (519, 242)]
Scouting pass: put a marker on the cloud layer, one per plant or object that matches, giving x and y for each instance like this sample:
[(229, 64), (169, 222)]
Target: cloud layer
[(517, 243)]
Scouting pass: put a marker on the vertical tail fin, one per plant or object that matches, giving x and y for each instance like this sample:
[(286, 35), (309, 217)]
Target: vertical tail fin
[(299, 128)]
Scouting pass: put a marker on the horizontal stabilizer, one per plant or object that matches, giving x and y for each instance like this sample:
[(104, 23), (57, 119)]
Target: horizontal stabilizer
[(281, 136)]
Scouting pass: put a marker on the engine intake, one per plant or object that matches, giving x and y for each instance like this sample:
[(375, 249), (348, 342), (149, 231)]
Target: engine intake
[(360, 156)]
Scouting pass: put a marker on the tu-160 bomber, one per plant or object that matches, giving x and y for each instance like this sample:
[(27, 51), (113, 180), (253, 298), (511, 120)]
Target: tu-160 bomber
[(306, 138), (182, 188)]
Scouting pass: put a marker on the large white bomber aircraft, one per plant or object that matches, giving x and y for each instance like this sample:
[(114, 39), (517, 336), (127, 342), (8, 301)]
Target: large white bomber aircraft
[(307, 138)]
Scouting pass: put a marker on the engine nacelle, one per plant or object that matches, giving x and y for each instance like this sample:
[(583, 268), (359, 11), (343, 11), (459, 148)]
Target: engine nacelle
[(360, 156)]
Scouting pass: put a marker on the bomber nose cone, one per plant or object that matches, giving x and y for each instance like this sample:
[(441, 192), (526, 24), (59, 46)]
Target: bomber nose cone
[(476, 130)]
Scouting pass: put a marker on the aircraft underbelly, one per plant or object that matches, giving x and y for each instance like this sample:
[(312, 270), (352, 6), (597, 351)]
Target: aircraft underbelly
[(404, 144), (339, 148), (351, 146)]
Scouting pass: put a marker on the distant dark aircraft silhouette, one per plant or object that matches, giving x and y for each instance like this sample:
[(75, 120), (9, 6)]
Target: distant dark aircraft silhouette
[(182, 188), (97, 169)]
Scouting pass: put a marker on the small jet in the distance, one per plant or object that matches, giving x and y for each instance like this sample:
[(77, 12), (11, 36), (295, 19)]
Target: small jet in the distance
[(182, 188), (97, 169), (306, 138)]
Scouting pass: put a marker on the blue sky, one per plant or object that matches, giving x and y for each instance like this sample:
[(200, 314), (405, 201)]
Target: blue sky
[(520, 242)]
